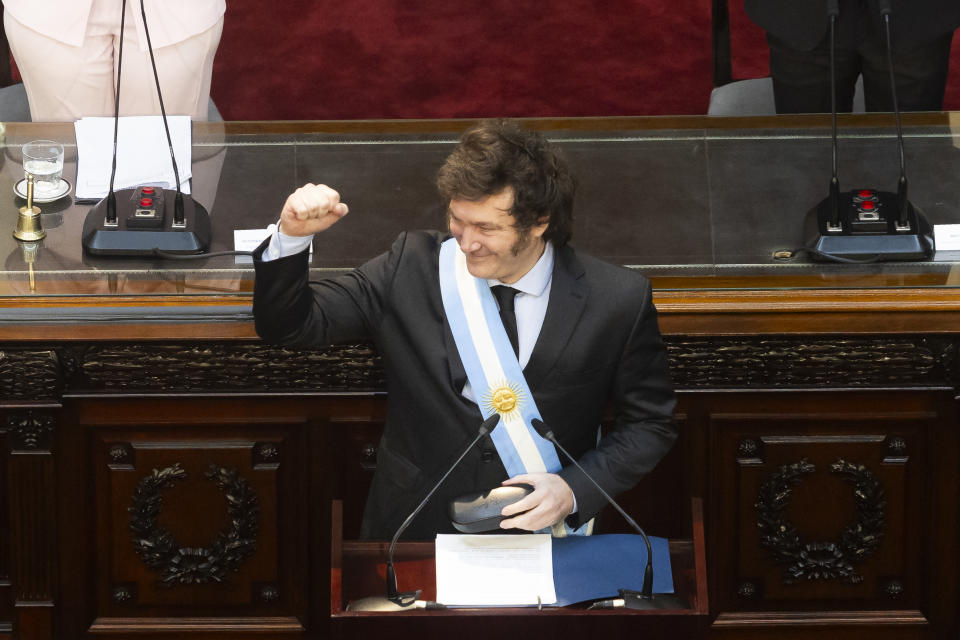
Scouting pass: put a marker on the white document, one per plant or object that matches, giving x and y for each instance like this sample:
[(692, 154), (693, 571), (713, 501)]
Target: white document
[(143, 156), (495, 570), (250, 239), (947, 237)]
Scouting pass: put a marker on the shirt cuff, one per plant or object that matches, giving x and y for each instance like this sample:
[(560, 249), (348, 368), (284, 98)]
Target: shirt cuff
[(282, 245)]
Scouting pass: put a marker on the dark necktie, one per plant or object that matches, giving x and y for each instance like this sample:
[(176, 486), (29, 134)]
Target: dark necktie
[(505, 296)]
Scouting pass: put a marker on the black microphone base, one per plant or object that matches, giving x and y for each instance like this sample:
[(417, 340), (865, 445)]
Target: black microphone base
[(637, 602), (141, 231), (867, 233)]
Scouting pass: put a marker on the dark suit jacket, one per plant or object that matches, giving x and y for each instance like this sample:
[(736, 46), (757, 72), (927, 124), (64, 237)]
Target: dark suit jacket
[(599, 346), (803, 23)]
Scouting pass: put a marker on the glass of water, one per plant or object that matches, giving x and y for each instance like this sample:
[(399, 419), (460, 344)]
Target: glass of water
[(43, 159)]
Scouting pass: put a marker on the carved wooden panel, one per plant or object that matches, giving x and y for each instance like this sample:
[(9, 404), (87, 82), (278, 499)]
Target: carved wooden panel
[(33, 539), (357, 441), (821, 505), (48, 371), (229, 541), (29, 430), (809, 361), (30, 374), (31, 517), (225, 366), (195, 521), (6, 597)]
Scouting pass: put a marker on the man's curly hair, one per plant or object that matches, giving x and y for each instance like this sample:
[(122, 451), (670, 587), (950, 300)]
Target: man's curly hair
[(496, 154)]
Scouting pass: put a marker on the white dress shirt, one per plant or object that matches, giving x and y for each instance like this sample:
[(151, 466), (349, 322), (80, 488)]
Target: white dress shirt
[(530, 304)]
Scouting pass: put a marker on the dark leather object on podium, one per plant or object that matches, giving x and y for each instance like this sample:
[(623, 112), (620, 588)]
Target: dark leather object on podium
[(480, 512)]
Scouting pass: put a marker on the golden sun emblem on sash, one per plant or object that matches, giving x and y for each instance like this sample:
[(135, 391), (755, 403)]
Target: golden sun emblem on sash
[(505, 398)]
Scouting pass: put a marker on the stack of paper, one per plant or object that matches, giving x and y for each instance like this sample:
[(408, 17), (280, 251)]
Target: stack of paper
[(533, 569), (143, 156), (494, 570)]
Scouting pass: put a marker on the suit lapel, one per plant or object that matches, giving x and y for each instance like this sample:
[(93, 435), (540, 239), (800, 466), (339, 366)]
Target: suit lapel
[(568, 298), (458, 375)]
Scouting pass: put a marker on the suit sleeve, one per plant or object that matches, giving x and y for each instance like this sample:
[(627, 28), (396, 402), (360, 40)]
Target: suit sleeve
[(643, 430), (288, 309)]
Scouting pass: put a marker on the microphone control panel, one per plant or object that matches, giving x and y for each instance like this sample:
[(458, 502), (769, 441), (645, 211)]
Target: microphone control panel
[(867, 209), (148, 209), (864, 225)]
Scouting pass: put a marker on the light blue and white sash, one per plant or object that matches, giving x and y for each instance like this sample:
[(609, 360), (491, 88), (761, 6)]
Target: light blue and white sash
[(493, 369)]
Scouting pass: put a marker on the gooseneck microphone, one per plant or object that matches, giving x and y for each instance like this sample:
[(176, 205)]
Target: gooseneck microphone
[(136, 222), (395, 600), (645, 598), (178, 215), (886, 8), (110, 218), (866, 225), (833, 11)]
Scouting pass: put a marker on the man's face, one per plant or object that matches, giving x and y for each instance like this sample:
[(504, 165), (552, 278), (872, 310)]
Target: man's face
[(487, 236)]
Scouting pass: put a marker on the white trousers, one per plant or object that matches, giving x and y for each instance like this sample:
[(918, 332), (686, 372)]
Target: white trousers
[(65, 83)]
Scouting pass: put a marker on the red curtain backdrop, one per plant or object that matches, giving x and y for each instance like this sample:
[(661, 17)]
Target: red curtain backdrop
[(319, 59)]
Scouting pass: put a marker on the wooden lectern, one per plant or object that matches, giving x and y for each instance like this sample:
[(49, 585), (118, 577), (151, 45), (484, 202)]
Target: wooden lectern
[(358, 570)]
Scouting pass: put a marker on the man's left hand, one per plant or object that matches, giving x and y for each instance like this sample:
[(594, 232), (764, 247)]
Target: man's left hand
[(550, 502)]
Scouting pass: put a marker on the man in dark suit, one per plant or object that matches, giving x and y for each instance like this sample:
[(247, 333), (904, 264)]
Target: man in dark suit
[(798, 32), (587, 336)]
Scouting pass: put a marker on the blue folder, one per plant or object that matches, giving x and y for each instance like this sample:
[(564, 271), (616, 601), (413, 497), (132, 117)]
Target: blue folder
[(593, 567)]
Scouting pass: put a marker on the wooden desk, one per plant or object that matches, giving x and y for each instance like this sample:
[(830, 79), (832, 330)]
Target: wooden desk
[(358, 570), (801, 386)]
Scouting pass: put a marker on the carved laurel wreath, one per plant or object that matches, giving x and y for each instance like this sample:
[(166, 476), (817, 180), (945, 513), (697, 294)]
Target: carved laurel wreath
[(821, 560), (185, 565)]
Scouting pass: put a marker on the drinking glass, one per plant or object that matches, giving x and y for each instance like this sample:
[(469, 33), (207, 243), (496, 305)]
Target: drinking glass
[(43, 159)]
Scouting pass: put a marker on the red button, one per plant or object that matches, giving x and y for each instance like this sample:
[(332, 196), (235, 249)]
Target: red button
[(866, 193), (867, 205), (147, 191), (146, 202)]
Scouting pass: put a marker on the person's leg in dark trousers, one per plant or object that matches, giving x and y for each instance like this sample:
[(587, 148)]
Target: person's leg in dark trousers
[(920, 72), (801, 79)]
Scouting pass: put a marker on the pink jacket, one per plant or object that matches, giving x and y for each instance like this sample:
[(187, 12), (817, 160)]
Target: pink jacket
[(170, 21)]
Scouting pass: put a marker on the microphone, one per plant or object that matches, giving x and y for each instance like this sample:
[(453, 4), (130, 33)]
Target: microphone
[(136, 223), (866, 225), (833, 11), (644, 599), (886, 8), (396, 601)]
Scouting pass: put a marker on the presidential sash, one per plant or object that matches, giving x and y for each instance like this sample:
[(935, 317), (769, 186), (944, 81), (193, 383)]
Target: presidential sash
[(493, 369)]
